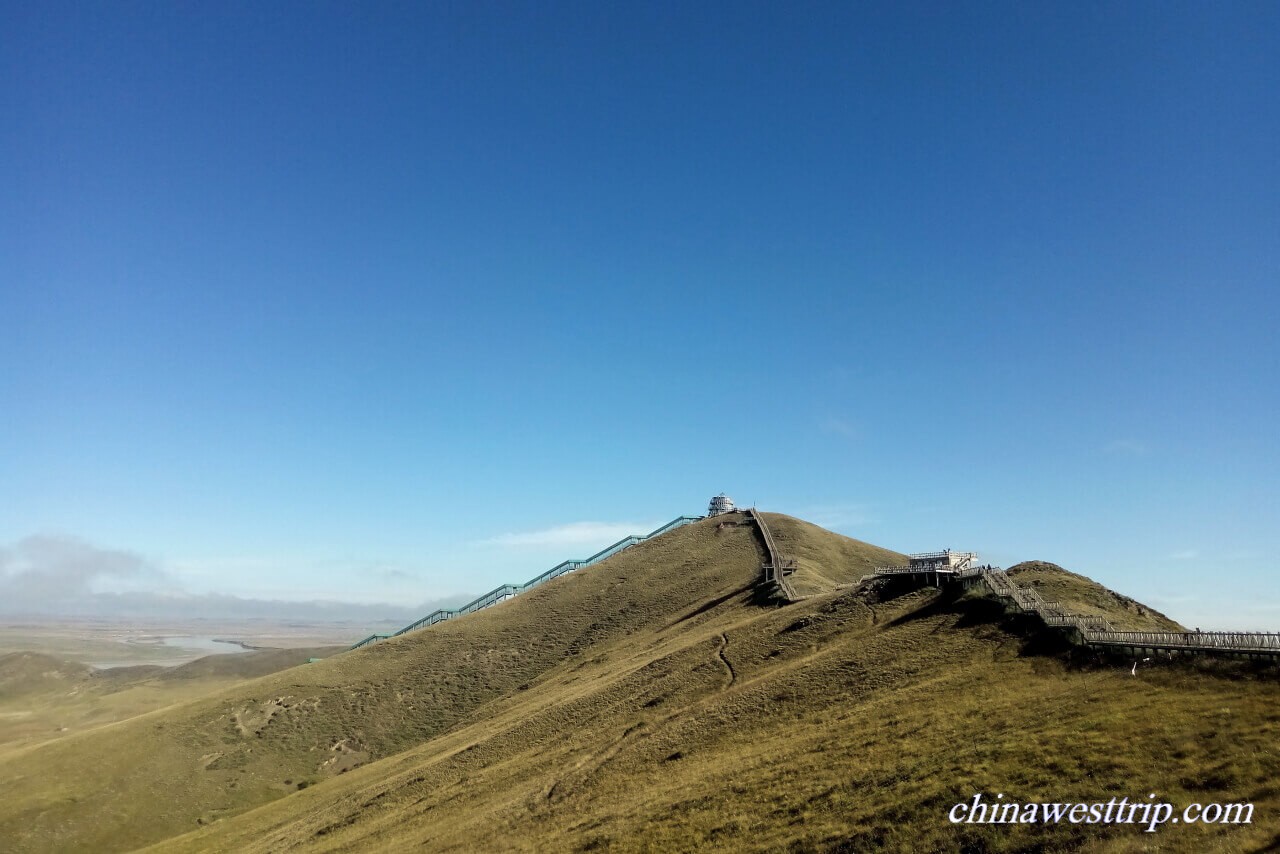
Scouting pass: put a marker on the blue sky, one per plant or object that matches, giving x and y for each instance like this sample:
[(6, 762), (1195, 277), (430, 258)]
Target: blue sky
[(385, 302)]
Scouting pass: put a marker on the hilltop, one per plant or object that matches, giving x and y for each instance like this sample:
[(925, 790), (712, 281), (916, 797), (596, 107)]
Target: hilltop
[(1084, 596), (656, 700)]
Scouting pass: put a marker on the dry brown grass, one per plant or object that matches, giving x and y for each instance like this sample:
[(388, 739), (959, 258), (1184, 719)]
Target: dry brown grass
[(44, 697), (651, 703), (1082, 595)]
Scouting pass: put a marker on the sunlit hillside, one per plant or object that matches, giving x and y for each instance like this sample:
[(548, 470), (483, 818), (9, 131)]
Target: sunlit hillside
[(661, 700)]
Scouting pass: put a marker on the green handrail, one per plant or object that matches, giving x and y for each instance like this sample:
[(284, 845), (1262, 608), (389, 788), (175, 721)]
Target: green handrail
[(506, 591)]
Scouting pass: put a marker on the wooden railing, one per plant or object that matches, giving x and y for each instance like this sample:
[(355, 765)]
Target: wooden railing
[(1098, 631), (1093, 630), (776, 567), (899, 570)]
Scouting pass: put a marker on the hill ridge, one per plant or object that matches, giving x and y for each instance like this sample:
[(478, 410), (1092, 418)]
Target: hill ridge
[(658, 698), (503, 592), (1083, 629)]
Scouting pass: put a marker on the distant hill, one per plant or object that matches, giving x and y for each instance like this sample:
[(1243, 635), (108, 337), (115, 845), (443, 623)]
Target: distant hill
[(23, 673), (1082, 595), (43, 697), (656, 702), (247, 665)]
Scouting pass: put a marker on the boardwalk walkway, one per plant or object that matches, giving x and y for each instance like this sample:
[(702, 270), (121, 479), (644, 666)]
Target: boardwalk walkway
[(776, 567), (1088, 630)]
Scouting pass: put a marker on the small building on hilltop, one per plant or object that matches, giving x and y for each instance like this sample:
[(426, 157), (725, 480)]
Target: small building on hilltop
[(719, 505), (945, 560)]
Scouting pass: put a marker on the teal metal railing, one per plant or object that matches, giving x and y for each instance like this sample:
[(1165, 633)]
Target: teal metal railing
[(370, 639), (506, 591)]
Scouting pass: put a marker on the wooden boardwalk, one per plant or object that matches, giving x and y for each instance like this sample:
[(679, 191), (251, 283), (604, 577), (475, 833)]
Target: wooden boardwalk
[(1094, 631), (776, 567)]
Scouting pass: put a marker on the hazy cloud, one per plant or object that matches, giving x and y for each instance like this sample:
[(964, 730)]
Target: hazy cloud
[(66, 576), (53, 567), (840, 427), (575, 534), (142, 604), (375, 570)]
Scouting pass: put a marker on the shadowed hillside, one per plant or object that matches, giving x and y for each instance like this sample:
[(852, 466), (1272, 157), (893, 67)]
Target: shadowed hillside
[(656, 702)]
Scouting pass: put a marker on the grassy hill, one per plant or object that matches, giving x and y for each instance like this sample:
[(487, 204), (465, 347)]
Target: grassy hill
[(1082, 596), (24, 673), (656, 702), (43, 697)]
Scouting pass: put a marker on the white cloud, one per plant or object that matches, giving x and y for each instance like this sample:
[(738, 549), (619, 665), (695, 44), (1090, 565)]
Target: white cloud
[(66, 576), (42, 568), (840, 427), (574, 534)]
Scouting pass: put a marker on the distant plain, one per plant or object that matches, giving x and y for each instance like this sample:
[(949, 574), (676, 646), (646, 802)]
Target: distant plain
[(63, 676), (120, 643)]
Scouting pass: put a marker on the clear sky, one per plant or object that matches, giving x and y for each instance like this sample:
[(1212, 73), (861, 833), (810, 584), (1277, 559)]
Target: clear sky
[(383, 302)]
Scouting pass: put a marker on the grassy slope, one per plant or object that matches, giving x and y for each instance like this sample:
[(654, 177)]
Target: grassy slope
[(43, 697), (825, 561), (246, 665), (23, 673), (838, 720), (259, 741), (649, 703), (1082, 595)]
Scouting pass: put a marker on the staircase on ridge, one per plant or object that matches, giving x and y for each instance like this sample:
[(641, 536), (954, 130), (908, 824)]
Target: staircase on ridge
[(507, 591)]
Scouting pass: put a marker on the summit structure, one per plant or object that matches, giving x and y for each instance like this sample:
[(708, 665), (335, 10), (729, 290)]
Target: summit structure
[(720, 505)]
